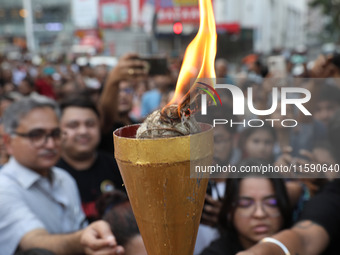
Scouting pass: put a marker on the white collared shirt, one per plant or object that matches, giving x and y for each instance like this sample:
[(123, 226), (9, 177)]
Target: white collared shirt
[(30, 201)]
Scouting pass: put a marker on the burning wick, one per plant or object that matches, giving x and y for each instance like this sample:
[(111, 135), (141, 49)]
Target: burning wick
[(173, 120), (158, 125)]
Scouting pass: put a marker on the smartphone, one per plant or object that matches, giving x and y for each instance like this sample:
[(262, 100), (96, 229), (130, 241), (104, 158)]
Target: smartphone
[(277, 66), (156, 65)]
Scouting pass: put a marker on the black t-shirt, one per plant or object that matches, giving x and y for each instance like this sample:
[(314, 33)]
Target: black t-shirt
[(103, 176), (226, 244), (106, 141), (324, 210)]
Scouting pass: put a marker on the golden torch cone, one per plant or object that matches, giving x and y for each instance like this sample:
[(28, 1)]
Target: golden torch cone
[(167, 202)]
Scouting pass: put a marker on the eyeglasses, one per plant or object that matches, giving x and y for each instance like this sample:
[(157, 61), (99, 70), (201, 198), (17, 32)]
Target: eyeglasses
[(38, 137), (127, 90), (248, 206)]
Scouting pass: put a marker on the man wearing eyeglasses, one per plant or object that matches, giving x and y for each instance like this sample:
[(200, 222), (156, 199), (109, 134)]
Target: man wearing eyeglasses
[(40, 206)]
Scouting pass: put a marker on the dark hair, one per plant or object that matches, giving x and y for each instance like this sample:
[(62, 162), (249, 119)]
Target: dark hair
[(336, 60), (79, 101), (29, 81), (232, 195), (83, 67), (19, 109), (115, 208)]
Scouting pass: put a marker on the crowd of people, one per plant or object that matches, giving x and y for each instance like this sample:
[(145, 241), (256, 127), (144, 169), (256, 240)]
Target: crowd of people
[(60, 187)]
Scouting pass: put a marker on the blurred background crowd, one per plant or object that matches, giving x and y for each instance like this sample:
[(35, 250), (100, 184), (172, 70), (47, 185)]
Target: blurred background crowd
[(78, 57)]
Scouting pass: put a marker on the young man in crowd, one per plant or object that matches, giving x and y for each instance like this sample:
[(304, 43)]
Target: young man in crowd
[(40, 206), (95, 172)]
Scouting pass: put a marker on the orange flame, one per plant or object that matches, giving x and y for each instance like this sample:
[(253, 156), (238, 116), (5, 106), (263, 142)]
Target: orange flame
[(199, 58)]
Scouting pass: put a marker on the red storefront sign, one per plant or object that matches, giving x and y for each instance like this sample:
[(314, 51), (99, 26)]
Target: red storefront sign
[(170, 11), (184, 11), (184, 14), (231, 28)]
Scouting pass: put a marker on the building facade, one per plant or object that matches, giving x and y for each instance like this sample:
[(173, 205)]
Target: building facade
[(145, 26)]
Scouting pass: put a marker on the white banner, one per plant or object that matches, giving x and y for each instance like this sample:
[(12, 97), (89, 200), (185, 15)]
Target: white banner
[(85, 13)]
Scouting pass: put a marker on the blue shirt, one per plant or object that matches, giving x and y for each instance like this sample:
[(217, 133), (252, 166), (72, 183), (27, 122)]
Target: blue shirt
[(150, 102), (29, 201)]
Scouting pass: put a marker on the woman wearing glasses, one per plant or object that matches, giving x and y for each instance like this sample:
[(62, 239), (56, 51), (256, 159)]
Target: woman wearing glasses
[(253, 208)]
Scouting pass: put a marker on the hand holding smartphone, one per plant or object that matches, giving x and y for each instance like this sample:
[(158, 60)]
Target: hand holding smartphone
[(156, 65)]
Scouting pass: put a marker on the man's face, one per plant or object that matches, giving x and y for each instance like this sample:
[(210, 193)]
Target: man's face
[(325, 110), (32, 152), (125, 97), (81, 133)]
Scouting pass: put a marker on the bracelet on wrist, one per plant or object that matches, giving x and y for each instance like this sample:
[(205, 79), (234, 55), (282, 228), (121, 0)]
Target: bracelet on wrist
[(277, 242)]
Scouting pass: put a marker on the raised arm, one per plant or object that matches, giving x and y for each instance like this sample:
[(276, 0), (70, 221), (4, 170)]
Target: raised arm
[(305, 238), (128, 68)]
